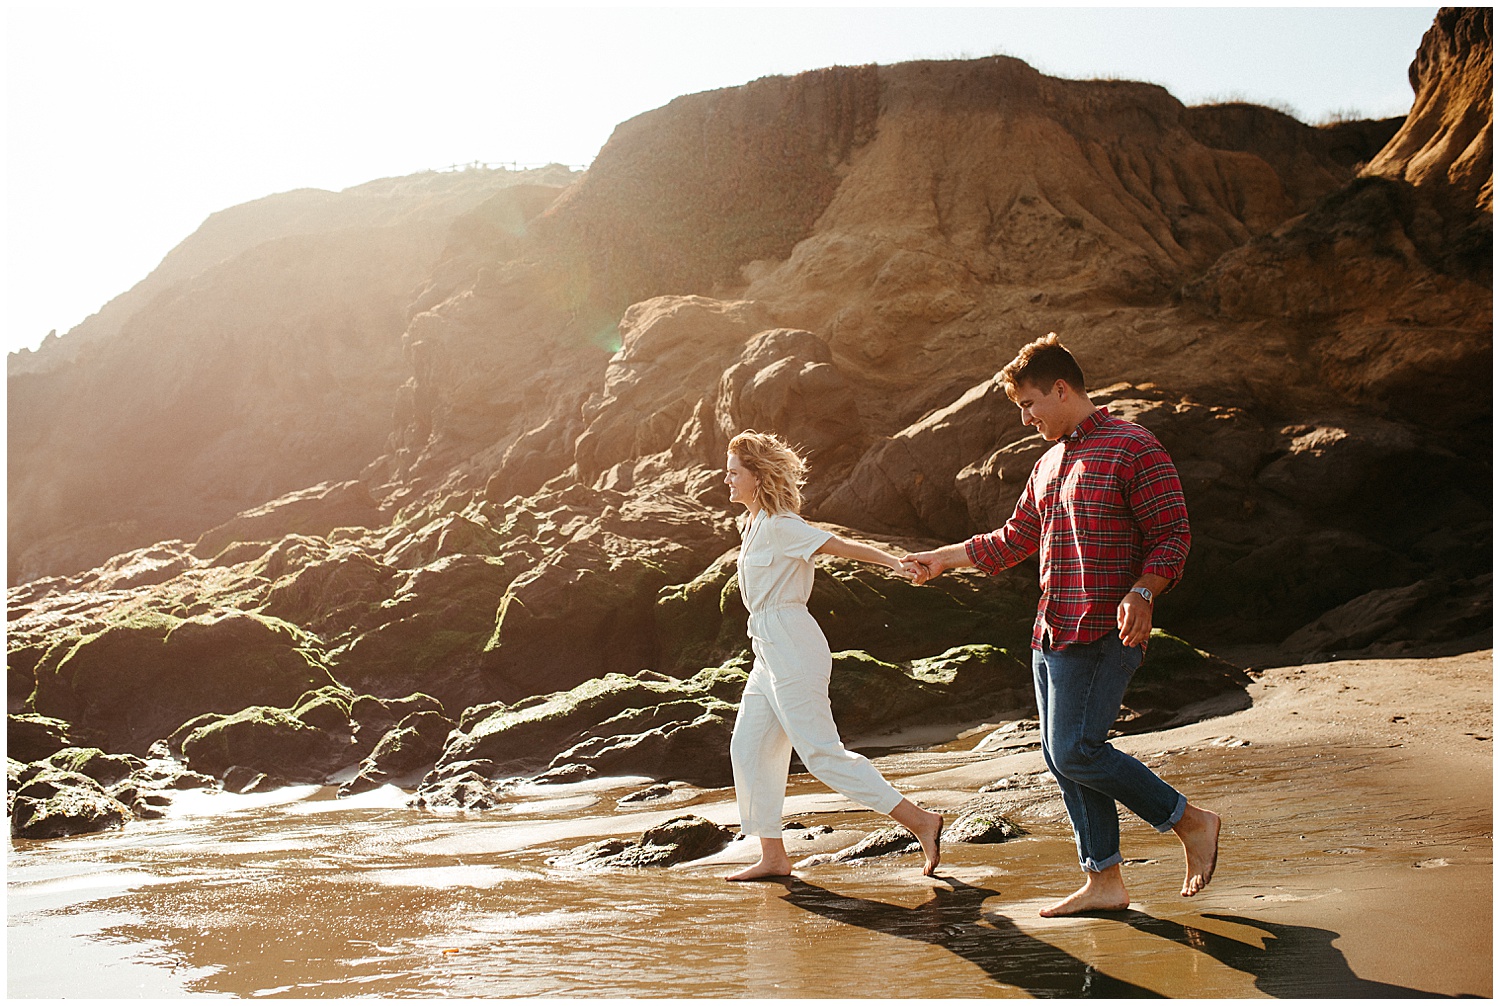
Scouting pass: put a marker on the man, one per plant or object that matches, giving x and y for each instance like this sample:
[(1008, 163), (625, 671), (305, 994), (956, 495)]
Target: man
[(1104, 508)]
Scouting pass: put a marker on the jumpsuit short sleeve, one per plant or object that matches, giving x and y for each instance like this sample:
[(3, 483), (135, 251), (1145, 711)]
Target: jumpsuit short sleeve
[(796, 538)]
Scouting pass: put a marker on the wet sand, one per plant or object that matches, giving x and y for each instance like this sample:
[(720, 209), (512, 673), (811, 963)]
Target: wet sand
[(1356, 861)]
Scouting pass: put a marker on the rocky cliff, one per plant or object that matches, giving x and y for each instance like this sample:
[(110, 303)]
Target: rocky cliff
[(475, 454), (261, 356)]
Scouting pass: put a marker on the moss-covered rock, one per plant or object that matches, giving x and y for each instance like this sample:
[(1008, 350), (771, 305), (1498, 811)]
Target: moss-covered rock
[(678, 840), (892, 841), (331, 594), (105, 769), (56, 803), (13, 770), (176, 737), (326, 708), (414, 743), (982, 825), (31, 737), (585, 609), (270, 740), (429, 634), (687, 740), (1173, 679), (137, 680), (526, 736)]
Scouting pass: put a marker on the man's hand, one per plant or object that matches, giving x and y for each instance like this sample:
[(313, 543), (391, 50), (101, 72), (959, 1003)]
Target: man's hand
[(1134, 619), (924, 565)]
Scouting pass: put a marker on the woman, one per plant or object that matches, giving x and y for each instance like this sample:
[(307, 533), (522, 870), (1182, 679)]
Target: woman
[(786, 699)]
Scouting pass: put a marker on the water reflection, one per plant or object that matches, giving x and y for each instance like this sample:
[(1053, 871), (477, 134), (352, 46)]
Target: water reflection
[(953, 919)]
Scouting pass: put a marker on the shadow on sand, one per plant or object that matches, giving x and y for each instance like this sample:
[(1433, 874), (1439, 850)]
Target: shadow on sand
[(1295, 961)]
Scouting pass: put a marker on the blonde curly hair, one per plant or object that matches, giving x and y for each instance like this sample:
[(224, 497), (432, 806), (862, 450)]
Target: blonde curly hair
[(781, 471)]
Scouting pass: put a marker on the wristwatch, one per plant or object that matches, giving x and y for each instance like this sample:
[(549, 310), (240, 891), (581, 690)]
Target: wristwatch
[(1144, 592)]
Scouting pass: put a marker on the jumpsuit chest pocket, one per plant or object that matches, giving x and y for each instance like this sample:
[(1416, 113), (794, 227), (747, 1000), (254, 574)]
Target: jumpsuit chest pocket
[(757, 557)]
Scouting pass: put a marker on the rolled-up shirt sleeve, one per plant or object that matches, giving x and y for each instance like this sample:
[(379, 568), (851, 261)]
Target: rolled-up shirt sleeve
[(796, 538), (1017, 540), (1154, 496)]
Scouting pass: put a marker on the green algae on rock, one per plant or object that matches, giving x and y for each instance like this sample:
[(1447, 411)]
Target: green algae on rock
[(135, 681), (55, 803), (678, 840), (416, 742), (271, 740), (31, 737)]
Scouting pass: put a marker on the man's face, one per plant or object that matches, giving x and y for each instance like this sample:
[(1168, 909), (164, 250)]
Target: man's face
[(1045, 410)]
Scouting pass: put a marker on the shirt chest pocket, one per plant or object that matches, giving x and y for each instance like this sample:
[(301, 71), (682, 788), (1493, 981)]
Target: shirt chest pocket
[(759, 556), (1095, 499)]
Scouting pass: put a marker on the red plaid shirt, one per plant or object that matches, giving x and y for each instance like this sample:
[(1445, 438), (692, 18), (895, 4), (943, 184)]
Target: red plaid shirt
[(1103, 506)]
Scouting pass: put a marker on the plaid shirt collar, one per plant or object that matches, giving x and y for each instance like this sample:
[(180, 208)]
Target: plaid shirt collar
[(1090, 423)]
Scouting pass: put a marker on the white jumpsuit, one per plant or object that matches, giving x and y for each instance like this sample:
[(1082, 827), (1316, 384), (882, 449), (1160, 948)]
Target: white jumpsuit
[(786, 699)]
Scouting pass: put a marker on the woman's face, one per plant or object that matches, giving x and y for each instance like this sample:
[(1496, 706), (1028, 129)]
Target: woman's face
[(742, 484)]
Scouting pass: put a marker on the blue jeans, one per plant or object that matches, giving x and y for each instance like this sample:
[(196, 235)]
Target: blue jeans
[(1078, 694)]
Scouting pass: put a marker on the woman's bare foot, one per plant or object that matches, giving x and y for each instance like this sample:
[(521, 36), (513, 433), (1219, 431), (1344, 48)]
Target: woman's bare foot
[(763, 869), (1101, 892), (928, 827), (774, 862), (1199, 832)]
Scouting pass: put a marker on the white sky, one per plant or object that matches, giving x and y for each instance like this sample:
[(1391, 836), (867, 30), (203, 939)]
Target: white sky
[(129, 122)]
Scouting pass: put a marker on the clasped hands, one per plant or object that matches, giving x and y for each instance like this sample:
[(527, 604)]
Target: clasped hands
[(920, 567)]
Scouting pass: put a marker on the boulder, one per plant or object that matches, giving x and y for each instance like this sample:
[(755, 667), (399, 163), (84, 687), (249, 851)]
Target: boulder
[(430, 631), (267, 739), (661, 382), (464, 791), (786, 381), (1173, 679), (983, 824), (137, 680), (414, 743), (914, 479), (585, 610), (105, 769), (678, 840), (327, 709), (665, 742), (31, 737), (893, 841), (526, 737), (55, 803), (1428, 611)]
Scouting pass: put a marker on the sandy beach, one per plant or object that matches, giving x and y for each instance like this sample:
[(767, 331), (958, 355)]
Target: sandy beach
[(1356, 861)]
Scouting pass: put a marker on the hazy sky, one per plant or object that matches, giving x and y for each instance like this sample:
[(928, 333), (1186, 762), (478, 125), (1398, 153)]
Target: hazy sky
[(129, 122)]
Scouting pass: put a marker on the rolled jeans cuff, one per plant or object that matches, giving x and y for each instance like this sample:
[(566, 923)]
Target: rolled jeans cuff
[(1099, 866), (1176, 816)]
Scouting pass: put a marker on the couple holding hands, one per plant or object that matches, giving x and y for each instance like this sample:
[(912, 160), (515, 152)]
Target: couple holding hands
[(1103, 509)]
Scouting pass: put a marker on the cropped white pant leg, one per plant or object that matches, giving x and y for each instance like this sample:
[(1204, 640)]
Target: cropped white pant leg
[(785, 707)]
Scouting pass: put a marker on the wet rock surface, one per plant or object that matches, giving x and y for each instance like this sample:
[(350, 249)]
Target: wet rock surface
[(893, 841), (54, 803), (983, 821), (678, 840), (414, 743)]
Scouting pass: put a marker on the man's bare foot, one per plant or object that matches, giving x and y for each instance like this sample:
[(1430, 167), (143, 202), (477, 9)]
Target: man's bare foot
[(1101, 892), (1199, 832), (928, 827), (763, 869)]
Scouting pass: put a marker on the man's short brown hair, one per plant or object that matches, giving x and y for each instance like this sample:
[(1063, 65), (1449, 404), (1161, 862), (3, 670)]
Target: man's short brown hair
[(1042, 364)]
